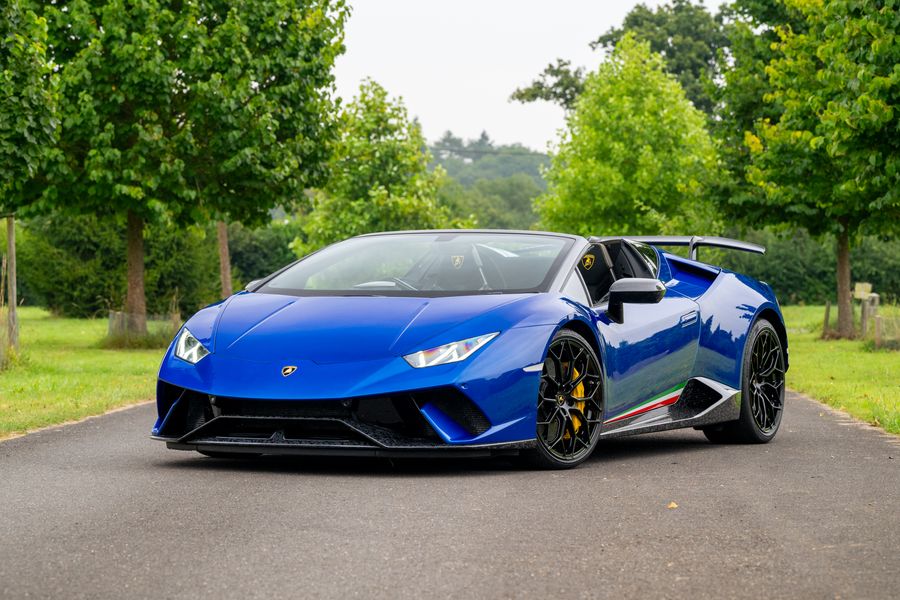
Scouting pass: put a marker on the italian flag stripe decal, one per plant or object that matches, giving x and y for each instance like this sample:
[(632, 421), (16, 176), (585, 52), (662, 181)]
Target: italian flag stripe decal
[(668, 397)]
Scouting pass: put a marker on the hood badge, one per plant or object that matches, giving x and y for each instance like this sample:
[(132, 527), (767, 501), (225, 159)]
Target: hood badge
[(288, 370), (457, 260)]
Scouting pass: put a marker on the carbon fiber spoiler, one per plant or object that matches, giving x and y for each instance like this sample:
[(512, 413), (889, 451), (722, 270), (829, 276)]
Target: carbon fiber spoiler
[(692, 242)]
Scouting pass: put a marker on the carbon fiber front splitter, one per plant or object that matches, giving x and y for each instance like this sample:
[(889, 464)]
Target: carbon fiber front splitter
[(342, 448)]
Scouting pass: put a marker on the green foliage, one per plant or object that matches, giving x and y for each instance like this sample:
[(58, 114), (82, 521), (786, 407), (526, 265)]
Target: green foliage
[(494, 184), (558, 83), (262, 118), (185, 111), (688, 38), (831, 163), (752, 29), (684, 33), (379, 177), (471, 161), (261, 251), (499, 203), (636, 157), (800, 268), (28, 99), (72, 266)]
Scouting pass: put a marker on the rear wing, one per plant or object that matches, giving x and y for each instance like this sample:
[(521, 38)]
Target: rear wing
[(692, 242)]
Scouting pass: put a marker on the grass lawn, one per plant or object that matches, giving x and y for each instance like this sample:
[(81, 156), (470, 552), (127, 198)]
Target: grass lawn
[(841, 373), (64, 375)]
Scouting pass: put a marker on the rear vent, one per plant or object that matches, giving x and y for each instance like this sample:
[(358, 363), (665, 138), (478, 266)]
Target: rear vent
[(697, 396)]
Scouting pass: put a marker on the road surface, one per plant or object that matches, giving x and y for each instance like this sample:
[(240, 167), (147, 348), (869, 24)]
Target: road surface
[(97, 510)]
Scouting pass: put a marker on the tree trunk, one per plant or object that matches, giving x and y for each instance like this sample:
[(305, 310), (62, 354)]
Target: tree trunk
[(224, 258), (12, 317), (845, 301), (135, 301)]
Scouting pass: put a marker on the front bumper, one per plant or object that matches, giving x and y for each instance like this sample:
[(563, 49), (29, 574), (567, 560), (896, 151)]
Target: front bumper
[(473, 451), (411, 423)]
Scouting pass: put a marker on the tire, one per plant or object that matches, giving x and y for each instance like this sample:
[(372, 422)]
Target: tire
[(570, 404), (229, 455), (762, 391)]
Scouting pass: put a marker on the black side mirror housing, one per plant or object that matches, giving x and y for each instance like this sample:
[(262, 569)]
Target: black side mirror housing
[(633, 291)]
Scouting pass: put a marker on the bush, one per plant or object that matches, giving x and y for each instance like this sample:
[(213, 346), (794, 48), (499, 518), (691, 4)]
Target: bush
[(75, 266), (256, 253), (801, 268)]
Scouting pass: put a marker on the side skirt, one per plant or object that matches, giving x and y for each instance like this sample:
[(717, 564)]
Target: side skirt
[(702, 402)]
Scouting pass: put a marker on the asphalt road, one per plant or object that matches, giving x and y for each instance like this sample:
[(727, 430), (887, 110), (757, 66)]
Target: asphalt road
[(97, 510)]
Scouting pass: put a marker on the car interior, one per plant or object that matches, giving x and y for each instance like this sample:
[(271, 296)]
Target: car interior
[(467, 266), (607, 262)]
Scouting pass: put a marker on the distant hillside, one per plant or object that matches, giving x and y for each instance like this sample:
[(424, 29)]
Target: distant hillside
[(497, 184)]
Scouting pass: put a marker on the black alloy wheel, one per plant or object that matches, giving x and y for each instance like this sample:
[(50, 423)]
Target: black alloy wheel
[(767, 381), (570, 403), (762, 390)]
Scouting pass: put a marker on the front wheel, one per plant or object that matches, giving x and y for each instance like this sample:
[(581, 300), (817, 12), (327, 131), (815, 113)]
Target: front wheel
[(762, 391), (569, 403)]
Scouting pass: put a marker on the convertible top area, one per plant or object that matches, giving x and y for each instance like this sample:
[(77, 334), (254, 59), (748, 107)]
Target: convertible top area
[(693, 242)]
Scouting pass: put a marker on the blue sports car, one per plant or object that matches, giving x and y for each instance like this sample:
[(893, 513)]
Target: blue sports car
[(478, 342)]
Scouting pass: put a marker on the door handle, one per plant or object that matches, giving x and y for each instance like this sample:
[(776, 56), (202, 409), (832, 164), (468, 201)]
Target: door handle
[(689, 319)]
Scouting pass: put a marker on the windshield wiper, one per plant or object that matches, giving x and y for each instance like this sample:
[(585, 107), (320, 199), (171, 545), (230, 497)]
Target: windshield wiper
[(404, 284)]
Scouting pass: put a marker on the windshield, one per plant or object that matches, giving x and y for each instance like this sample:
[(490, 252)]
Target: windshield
[(426, 264)]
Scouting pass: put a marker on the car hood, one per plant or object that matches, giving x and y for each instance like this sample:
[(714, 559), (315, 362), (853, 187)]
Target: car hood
[(327, 329)]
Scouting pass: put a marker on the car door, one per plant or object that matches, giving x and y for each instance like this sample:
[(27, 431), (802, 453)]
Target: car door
[(651, 354)]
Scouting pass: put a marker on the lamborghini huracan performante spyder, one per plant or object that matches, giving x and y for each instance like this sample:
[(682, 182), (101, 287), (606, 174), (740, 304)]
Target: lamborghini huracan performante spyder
[(478, 342)]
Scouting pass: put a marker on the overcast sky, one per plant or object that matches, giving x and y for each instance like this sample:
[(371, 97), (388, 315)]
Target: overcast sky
[(456, 62)]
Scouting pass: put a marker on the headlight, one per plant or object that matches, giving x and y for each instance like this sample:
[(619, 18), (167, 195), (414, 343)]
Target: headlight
[(448, 353), (189, 348)]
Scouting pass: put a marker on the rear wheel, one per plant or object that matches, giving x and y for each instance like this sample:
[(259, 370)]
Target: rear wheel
[(762, 391), (570, 403)]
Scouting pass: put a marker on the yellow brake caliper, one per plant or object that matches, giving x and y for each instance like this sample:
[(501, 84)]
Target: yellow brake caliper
[(578, 392)]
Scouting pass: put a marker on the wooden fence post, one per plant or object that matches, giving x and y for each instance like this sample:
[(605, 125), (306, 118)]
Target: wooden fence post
[(866, 308), (878, 331)]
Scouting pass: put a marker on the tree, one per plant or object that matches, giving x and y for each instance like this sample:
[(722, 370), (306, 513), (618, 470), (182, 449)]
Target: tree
[(189, 112), (559, 83), (262, 114), (831, 163), (688, 38), (497, 203), (28, 122), (379, 177), (683, 32), (72, 265), (752, 28), (636, 158), (473, 160)]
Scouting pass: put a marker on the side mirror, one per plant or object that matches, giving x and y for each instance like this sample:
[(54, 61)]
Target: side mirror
[(252, 285), (633, 291)]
